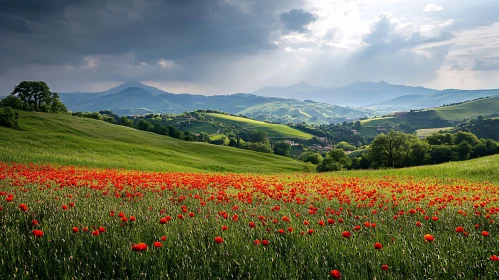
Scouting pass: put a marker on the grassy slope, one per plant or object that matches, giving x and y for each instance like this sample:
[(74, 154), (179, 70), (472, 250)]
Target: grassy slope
[(273, 130), (428, 131), (467, 110), (66, 140), (479, 170), (198, 127)]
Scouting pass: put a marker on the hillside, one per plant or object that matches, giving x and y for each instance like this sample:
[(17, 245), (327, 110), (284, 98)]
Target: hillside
[(277, 131), (135, 98), (67, 140), (439, 117), (438, 98)]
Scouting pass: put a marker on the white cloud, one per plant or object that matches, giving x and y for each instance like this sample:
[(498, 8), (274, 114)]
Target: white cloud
[(166, 63), (432, 8)]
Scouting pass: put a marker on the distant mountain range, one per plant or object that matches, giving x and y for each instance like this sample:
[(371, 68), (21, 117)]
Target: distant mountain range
[(135, 98), (379, 96), (299, 103)]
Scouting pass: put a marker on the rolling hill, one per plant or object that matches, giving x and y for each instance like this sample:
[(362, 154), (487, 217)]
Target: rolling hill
[(68, 140), (135, 98), (440, 117), (276, 131)]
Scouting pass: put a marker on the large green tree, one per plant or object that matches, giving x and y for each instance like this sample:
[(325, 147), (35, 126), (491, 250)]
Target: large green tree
[(392, 150)]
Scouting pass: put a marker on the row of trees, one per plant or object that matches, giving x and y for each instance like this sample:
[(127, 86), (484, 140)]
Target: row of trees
[(397, 149)]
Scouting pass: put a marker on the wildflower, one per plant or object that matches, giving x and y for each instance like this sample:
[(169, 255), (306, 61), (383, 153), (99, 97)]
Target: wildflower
[(157, 244), (75, 229), (37, 233), (429, 238), (139, 247), (218, 240), (378, 246), (346, 234), (335, 274)]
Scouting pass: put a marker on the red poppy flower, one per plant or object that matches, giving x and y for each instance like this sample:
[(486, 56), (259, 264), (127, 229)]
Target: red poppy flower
[(139, 247), (290, 229), (346, 234), (163, 238), (71, 204), (385, 267), (310, 231), (34, 222), (378, 246), (64, 207), (157, 244), (75, 229), (180, 216), (305, 222), (163, 221), (132, 218), (219, 240), (494, 258), (281, 231), (23, 207), (335, 274), (256, 242), (121, 214), (37, 233), (95, 232), (321, 223), (252, 225), (265, 242), (9, 198), (367, 224), (485, 233), (459, 229), (330, 221), (225, 227), (429, 238), (102, 229), (418, 224)]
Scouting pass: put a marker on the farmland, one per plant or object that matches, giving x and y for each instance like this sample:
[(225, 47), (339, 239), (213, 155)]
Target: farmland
[(273, 130), (64, 222)]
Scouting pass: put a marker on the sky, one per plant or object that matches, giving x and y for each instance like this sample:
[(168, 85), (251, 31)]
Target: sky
[(231, 46)]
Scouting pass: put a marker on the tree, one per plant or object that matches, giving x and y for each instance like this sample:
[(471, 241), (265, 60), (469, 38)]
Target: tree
[(345, 146), (336, 159), (126, 121), (203, 137), (9, 118), (392, 149), (258, 137), (463, 150), (145, 125), (442, 153), (282, 149), (11, 101), (419, 153), (467, 137), (33, 93), (314, 158)]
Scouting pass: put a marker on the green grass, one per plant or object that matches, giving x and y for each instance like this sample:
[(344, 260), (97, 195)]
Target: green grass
[(198, 127), (67, 140), (273, 130), (468, 110), (425, 132), (484, 169)]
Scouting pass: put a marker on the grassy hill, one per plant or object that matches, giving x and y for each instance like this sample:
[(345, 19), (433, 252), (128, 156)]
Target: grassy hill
[(277, 131), (67, 140), (485, 169), (470, 109), (440, 117)]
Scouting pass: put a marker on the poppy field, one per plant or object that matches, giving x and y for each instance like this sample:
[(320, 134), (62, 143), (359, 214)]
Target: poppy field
[(63, 222)]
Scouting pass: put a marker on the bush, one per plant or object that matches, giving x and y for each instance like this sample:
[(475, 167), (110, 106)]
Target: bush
[(9, 118), (328, 164)]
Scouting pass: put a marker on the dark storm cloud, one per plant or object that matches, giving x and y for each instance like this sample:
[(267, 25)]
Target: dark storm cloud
[(297, 20), (65, 31)]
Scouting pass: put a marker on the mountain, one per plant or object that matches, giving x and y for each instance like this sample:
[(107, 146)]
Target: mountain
[(378, 96), (357, 94), (438, 98), (135, 98)]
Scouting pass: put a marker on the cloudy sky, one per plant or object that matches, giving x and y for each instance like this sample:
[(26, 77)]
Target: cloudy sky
[(229, 46)]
